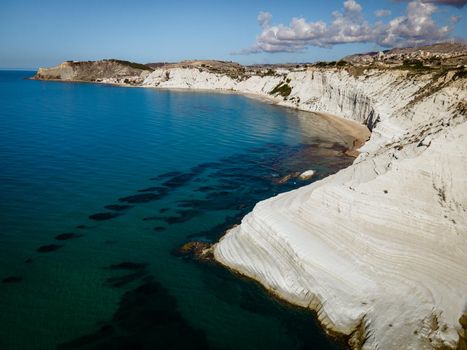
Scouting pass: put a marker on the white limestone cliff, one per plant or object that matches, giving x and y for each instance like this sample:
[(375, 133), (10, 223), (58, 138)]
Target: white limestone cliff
[(379, 249)]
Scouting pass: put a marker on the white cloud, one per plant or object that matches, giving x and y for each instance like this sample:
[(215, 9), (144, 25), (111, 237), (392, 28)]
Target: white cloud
[(264, 18), (349, 26), (351, 5), (416, 27), (382, 13)]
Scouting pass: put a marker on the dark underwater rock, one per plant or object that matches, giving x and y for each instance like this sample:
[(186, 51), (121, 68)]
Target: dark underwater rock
[(195, 250)]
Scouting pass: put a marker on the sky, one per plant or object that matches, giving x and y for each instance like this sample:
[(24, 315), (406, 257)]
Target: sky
[(44, 33)]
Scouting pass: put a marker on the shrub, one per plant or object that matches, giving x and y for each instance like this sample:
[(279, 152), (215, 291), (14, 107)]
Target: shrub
[(413, 64), (460, 74), (325, 64), (282, 89), (131, 64)]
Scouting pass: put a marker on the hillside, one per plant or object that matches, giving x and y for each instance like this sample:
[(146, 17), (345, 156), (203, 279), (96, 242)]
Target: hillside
[(96, 71), (441, 55)]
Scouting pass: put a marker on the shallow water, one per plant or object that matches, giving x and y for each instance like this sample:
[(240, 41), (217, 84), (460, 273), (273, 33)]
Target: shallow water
[(101, 185)]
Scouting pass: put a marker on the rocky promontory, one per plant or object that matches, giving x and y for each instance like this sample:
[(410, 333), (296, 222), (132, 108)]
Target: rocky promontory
[(104, 71), (378, 250)]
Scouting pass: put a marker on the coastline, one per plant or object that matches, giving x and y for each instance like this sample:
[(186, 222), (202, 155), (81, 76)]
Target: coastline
[(358, 131), (342, 259)]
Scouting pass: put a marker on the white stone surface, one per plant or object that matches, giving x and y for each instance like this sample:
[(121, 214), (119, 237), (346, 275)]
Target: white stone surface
[(382, 243), (307, 174)]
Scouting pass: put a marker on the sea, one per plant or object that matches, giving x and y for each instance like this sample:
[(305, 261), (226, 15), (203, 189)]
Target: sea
[(101, 185)]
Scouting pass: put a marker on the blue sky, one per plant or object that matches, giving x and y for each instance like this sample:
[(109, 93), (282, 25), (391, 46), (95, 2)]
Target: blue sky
[(44, 33)]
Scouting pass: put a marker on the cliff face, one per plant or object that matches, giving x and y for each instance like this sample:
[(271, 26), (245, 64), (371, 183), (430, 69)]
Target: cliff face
[(379, 249), (106, 71), (383, 243), (367, 98)]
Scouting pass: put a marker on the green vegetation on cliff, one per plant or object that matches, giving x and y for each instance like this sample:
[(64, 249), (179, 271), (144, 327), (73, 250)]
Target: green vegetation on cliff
[(282, 89), (131, 64)]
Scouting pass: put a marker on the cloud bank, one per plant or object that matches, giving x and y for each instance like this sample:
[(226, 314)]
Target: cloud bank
[(416, 27)]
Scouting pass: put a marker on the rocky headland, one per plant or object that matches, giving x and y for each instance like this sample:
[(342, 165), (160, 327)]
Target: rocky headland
[(378, 250), (104, 71)]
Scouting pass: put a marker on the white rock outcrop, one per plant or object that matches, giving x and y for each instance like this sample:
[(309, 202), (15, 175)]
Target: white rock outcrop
[(379, 249), (307, 174)]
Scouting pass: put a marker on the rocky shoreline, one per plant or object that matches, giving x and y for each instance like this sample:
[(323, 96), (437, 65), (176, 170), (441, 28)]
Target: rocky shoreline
[(378, 250)]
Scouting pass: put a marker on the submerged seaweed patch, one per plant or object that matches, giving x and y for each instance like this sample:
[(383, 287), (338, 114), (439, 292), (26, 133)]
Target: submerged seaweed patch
[(147, 318), (167, 174), (110, 241), (118, 207), (126, 265), (141, 198), (66, 236), (138, 271), (184, 216), (179, 180), (159, 189), (103, 216), (12, 279), (49, 248), (206, 189), (120, 281), (155, 217)]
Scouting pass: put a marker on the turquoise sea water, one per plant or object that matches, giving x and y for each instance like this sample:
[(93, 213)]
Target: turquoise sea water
[(101, 185)]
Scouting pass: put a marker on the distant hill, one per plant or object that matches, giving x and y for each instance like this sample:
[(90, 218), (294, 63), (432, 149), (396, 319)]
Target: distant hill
[(94, 71), (451, 54)]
